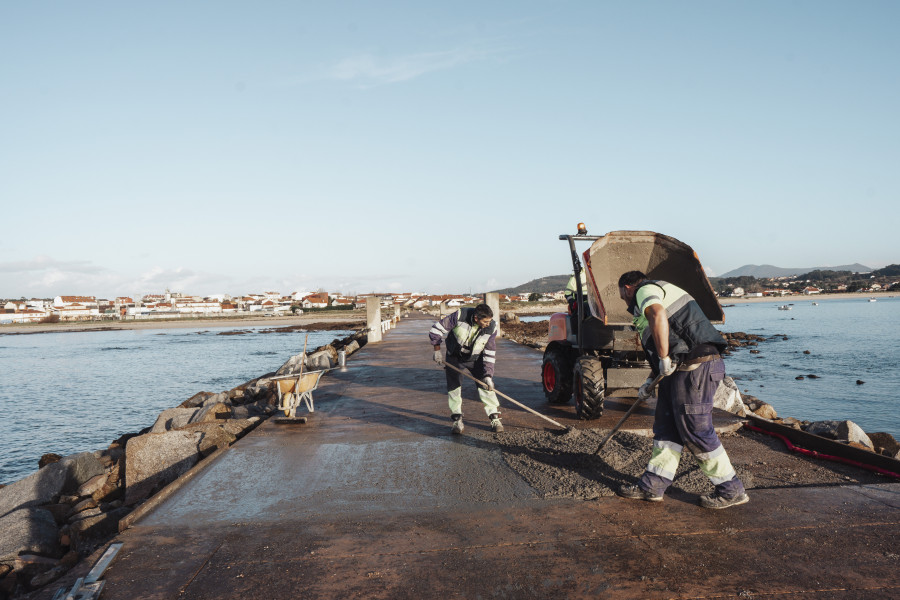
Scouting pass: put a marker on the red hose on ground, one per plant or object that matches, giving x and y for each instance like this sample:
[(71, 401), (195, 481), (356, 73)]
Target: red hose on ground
[(815, 454)]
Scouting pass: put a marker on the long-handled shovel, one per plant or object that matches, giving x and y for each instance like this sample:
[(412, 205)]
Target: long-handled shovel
[(502, 395), (634, 406)]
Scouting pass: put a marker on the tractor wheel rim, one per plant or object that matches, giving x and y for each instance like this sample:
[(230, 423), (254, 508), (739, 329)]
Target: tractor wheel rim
[(549, 377)]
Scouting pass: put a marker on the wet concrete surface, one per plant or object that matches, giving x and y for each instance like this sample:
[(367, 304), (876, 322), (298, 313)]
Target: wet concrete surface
[(374, 498)]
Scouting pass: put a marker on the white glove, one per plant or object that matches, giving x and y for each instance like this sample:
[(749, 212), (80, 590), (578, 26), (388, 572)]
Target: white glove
[(438, 358), (489, 383), (644, 392), (666, 367)]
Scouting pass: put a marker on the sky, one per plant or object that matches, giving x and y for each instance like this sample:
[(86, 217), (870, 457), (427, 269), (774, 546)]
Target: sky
[(356, 147)]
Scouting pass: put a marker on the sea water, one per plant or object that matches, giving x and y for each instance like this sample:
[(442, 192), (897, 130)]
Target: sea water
[(71, 392), (848, 340)]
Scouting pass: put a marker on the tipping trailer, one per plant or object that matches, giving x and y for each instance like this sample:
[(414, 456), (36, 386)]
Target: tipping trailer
[(593, 351)]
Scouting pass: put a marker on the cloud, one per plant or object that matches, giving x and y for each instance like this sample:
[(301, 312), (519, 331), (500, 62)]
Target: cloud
[(369, 70), (44, 263)]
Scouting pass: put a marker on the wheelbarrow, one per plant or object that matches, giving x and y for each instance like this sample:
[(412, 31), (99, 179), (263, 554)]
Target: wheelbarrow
[(293, 390)]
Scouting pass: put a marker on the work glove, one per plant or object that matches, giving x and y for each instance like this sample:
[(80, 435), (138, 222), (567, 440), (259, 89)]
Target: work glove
[(666, 366), (489, 384), (438, 358), (644, 392)]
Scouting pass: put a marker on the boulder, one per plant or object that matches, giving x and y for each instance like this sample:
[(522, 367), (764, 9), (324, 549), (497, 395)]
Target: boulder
[(210, 412), (352, 347), (86, 534), (48, 459), (766, 411), (728, 398), (172, 418), (320, 361), (153, 460), (47, 484), (221, 397), (29, 530), (885, 444), (215, 436), (250, 411), (196, 400), (843, 431), (292, 365), (92, 485)]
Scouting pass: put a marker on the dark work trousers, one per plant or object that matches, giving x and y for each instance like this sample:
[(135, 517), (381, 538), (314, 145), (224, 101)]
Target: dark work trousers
[(454, 385), (684, 419)]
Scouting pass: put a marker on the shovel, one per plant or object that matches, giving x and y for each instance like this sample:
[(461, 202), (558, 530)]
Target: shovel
[(634, 406), (502, 395)]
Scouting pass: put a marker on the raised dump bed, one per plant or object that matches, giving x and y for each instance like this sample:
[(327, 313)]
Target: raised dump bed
[(658, 256)]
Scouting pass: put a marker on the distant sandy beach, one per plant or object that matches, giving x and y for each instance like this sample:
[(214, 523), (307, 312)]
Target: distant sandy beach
[(810, 298), (350, 317)]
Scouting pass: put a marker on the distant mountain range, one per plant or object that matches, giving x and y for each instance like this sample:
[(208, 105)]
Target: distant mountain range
[(767, 271), (551, 283), (555, 283)]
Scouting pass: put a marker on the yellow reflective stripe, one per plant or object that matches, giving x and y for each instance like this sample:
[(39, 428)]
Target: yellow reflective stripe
[(716, 465), (664, 460)]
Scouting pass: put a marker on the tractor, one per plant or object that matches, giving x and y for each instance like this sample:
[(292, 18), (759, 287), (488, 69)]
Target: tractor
[(593, 351)]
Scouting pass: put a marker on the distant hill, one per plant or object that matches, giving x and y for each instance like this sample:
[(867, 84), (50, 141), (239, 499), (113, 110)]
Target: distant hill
[(551, 283), (766, 271)]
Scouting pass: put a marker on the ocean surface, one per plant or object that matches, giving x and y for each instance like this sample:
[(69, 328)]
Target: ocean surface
[(848, 340), (78, 391)]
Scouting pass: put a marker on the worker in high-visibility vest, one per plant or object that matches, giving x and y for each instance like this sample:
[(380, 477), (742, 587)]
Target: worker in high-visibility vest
[(684, 346), (471, 344)]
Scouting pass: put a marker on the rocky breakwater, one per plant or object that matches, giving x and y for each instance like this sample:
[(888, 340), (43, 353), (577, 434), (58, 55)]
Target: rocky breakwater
[(843, 431), (72, 505)]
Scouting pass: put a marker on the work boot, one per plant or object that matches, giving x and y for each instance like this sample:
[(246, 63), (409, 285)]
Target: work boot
[(496, 425), (714, 500), (457, 424), (635, 492)]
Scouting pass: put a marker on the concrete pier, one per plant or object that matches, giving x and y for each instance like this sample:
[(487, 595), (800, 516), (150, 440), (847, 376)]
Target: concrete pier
[(374, 498)]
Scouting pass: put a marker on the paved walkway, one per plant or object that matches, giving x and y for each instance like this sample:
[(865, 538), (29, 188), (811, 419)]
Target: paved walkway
[(373, 498)]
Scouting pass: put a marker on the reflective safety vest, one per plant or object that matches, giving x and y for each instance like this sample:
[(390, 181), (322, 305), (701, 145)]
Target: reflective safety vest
[(572, 289), (465, 339), (688, 326)]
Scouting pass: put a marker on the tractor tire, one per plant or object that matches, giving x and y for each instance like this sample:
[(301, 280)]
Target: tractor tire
[(589, 388), (556, 375)]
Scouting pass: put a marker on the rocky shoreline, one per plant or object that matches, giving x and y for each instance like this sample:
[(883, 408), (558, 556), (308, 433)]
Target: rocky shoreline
[(55, 517)]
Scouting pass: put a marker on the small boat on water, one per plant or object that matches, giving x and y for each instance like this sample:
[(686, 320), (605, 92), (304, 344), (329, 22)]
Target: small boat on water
[(873, 300), (785, 307), (815, 303)]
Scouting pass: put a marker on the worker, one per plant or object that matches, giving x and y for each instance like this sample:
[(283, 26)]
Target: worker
[(572, 292), (684, 347), (471, 344)]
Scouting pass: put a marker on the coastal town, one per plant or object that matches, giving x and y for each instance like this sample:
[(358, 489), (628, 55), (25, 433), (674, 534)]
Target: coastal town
[(171, 305), (175, 305)]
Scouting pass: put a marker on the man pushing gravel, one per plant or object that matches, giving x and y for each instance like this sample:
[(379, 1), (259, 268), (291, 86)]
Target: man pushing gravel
[(682, 345)]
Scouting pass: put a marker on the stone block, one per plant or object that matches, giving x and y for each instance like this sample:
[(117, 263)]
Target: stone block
[(319, 361), (885, 444), (766, 411), (47, 484), (153, 460), (166, 419), (844, 431), (211, 412), (29, 530), (728, 398), (90, 532)]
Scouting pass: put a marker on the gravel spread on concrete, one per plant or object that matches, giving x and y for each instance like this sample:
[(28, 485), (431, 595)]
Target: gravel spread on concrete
[(563, 464)]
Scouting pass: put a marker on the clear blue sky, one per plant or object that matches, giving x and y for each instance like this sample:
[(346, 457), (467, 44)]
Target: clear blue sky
[(234, 147)]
